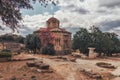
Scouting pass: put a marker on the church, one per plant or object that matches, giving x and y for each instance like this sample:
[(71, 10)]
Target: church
[(61, 38)]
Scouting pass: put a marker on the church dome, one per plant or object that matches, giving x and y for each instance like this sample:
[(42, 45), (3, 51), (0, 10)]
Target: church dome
[(52, 19), (52, 23)]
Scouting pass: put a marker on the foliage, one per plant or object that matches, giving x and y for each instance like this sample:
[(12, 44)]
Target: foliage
[(6, 50), (104, 42), (10, 10), (49, 49), (20, 39), (5, 53), (12, 38), (32, 42), (81, 40), (43, 50)]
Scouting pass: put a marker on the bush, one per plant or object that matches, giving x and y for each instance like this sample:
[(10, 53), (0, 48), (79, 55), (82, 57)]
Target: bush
[(48, 50), (6, 50), (43, 50), (51, 51), (5, 54)]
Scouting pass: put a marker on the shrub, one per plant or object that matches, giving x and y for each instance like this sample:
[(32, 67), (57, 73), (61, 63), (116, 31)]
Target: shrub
[(48, 50), (44, 50), (6, 50), (51, 51), (5, 54)]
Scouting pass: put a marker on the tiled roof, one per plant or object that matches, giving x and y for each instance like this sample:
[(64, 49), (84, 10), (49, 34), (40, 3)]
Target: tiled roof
[(52, 30), (52, 19), (59, 30)]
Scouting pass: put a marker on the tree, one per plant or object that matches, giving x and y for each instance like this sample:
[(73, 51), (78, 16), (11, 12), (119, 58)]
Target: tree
[(7, 38), (97, 39), (112, 44), (81, 40), (32, 42), (12, 38), (103, 42), (49, 49), (20, 39), (10, 11)]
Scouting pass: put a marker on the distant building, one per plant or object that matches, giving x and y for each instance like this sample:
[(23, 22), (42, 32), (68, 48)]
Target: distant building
[(13, 46), (61, 38)]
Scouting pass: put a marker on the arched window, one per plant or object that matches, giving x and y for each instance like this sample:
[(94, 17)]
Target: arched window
[(57, 41)]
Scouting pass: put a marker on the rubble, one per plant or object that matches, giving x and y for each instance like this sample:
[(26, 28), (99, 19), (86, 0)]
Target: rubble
[(23, 59), (105, 65), (30, 64), (40, 65), (76, 55), (62, 57), (44, 71), (72, 59), (43, 66), (1, 76), (91, 74)]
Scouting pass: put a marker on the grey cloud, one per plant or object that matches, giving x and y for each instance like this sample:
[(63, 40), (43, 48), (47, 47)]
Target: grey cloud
[(1, 28), (117, 31), (64, 20), (82, 0), (25, 30), (101, 11), (109, 3), (105, 12), (81, 10), (74, 8), (73, 30), (109, 25), (70, 6)]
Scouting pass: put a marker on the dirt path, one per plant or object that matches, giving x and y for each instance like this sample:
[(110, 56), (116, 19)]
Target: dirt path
[(68, 70), (71, 71)]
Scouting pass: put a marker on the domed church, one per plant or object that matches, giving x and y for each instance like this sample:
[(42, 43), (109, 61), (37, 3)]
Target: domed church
[(61, 38)]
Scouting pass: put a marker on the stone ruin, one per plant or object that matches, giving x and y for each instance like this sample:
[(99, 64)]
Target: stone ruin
[(92, 53), (40, 65)]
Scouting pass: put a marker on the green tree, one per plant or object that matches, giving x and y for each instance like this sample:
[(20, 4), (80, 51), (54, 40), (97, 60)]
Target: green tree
[(32, 42), (7, 38), (103, 42), (12, 38), (20, 39), (81, 40), (112, 44), (10, 10), (97, 39), (49, 49)]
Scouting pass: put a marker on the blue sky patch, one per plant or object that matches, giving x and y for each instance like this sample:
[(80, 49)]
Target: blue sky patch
[(38, 9)]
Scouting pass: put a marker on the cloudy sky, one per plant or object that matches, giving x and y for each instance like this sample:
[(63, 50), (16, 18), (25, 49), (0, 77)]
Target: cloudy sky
[(74, 14)]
